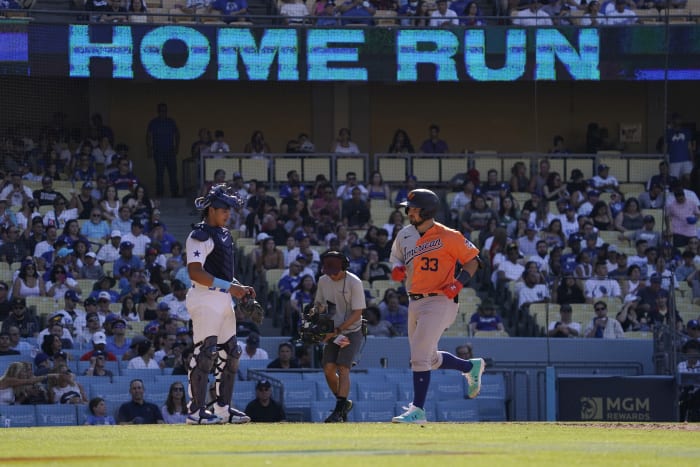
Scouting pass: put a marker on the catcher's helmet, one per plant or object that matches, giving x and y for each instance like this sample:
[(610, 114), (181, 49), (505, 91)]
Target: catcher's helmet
[(219, 196), (426, 200)]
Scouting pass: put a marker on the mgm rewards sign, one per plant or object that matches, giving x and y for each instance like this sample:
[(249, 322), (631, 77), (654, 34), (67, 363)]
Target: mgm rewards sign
[(617, 399)]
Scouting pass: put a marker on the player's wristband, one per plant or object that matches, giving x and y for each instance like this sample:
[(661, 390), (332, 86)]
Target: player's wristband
[(221, 284), (464, 277)]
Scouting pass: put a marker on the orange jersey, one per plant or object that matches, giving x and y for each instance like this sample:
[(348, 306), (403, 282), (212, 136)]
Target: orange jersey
[(430, 259)]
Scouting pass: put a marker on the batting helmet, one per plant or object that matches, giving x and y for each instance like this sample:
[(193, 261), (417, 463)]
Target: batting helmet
[(218, 197), (426, 200)]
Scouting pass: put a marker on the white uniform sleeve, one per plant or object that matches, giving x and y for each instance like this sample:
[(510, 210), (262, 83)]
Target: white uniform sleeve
[(197, 251)]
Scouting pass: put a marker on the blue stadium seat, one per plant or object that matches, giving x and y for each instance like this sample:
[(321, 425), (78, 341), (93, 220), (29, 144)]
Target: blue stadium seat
[(313, 376), (492, 409), (157, 393), (114, 394), (464, 410), (20, 415), (372, 411), (170, 379), (143, 374), (57, 414), (299, 394), (373, 391), (243, 392), (244, 365), (448, 386), (320, 410), (405, 389), (493, 386), (323, 392)]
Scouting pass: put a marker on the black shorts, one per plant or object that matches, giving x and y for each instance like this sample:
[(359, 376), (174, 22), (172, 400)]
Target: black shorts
[(332, 353)]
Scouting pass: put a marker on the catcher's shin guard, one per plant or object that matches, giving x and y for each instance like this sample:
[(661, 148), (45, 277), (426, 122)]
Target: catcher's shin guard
[(225, 370), (202, 362)]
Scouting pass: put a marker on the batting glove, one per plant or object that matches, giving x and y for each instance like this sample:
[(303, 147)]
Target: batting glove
[(398, 274), (452, 290)]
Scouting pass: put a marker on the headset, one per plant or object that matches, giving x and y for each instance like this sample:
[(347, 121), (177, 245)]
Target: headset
[(336, 254)]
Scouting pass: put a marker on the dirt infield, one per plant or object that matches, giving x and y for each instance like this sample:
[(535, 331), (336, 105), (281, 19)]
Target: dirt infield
[(636, 426)]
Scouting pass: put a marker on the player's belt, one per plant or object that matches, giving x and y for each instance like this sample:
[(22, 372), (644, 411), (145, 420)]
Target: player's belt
[(418, 296), (209, 288)]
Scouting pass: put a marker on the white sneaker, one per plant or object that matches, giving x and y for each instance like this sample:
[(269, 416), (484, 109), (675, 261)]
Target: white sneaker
[(202, 417), (412, 414), (230, 415), (474, 377)]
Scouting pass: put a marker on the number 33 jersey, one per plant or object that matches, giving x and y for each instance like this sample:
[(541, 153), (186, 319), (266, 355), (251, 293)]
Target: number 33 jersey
[(430, 259)]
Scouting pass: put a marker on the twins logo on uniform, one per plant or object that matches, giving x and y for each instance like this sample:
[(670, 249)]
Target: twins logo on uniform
[(423, 248)]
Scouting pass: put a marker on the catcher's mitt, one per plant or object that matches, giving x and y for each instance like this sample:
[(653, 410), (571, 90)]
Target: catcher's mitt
[(252, 309)]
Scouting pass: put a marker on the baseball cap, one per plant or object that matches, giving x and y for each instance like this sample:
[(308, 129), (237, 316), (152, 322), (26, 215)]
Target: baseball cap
[(90, 301), (613, 249), (126, 244), (253, 339), (512, 246), (116, 234), (300, 235), (505, 186), (136, 340), (163, 306), (151, 329), (91, 254), (301, 257), (88, 185), (46, 178), (593, 193), (155, 224), (63, 252), (655, 279), (99, 353), (137, 223), (182, 330), (72, 295), (104, 295), (603, 166), (237, 176), (263, 384), (124, 269), (151, 251), (178, 285), (531, 226), (565, 307), (649, 218), (693, 324), (262, 236), (111, 318), (99, 338), (118, 319)]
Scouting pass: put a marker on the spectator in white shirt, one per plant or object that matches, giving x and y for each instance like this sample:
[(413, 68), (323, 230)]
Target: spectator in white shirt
[(219, 145), (294, 11), (533, 15), (443, 17), (621, 15), (252, 349)]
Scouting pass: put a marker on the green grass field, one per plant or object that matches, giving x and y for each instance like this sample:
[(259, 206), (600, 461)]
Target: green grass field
[(291, 444)]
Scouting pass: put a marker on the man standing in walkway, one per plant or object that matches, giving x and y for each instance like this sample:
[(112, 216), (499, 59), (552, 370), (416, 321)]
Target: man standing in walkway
[(163, 141)]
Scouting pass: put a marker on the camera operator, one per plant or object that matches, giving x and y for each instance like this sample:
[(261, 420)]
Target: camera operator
[(341, 297)]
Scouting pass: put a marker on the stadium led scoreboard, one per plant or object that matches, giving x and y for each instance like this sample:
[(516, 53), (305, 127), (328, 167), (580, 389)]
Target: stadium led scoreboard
[(390, 55)]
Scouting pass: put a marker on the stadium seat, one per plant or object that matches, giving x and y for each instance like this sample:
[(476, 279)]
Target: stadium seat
[(379, 391), (244, 365), (19, 415), (372, 411), (393, 169), (321, 409), (114, 394), (299, 394), (491, 410), (493, 386), (146, 375), (405, 389), (448, 386), (57, 415), (464, 410), (313, 166)]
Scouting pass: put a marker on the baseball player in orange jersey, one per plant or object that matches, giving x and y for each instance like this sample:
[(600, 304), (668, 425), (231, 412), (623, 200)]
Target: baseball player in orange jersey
[(425, 254)]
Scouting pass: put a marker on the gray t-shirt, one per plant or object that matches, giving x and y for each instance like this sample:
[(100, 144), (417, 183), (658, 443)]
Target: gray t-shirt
[(347, 294)]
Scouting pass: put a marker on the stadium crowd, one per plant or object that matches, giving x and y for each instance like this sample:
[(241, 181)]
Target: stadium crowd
[(92, 273), (422, 13)]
